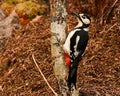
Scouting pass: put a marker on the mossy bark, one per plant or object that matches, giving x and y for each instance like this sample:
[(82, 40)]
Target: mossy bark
[(58, 36)]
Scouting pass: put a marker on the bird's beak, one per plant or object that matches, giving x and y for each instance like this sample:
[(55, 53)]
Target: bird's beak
[(75, 14)]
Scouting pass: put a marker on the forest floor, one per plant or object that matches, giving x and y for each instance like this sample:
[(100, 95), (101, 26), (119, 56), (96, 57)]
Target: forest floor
[(98, 72)]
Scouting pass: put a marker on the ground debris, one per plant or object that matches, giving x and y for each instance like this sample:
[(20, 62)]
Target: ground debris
[(98, 73)]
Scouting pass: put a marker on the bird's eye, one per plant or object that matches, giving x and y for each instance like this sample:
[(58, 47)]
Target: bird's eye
[(84, 17)]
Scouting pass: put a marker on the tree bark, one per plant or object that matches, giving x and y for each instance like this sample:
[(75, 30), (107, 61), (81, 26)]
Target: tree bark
[(58, 36)]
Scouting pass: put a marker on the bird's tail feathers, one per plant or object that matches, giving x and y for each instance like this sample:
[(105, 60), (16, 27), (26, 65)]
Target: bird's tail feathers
[(72, 78)]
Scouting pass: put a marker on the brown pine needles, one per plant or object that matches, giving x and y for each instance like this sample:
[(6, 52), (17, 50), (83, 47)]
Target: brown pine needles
[(43, 76)]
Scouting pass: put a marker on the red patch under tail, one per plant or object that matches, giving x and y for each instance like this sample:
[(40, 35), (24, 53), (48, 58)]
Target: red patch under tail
[(67, 59)]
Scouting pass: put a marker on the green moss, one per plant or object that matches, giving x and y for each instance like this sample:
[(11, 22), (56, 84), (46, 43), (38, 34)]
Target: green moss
[(6, 5), (12, 1), (31, 16), (28, 7)]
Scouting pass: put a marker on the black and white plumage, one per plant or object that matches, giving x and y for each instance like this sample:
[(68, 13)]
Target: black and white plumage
[(75, 45)]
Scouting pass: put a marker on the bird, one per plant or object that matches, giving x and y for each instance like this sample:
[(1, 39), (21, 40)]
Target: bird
[(75, 45)]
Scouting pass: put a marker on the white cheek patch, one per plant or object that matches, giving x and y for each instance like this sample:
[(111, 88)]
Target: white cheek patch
[(86, 21)]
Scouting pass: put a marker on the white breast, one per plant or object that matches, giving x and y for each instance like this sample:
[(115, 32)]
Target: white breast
[(66, 46)]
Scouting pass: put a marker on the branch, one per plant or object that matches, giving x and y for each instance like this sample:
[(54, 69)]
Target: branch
[(112, 27), (109, 28), (110, 9), (43, 76)]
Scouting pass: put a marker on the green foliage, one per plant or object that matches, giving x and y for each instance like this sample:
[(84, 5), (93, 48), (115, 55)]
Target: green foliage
[(27, 7), (12, 2), (31, 16)]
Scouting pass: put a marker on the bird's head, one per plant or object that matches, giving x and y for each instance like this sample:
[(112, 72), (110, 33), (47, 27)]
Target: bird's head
[(83, 20)]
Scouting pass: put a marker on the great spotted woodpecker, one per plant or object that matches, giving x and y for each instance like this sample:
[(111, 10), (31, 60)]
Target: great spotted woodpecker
[(75, 46)]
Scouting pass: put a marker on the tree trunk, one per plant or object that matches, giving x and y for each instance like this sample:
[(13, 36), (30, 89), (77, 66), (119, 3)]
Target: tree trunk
[(58, 36)]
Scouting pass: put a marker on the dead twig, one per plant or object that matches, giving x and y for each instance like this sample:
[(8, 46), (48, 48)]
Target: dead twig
[(43, 76), (112, 27), (109, 28), (110, 9), (88, 60)]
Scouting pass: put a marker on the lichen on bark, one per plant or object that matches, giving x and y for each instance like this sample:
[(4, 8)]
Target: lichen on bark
[(58, 36)]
